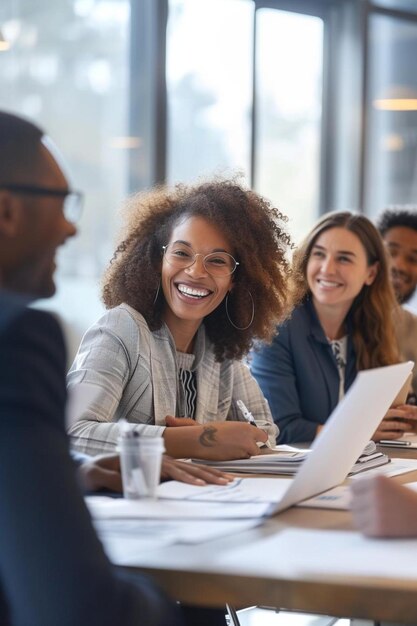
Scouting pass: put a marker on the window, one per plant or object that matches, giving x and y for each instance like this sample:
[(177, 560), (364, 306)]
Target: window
[(67, 69), (391, 140), (289, 62), (399, 5), (209, 83), (212, 118)]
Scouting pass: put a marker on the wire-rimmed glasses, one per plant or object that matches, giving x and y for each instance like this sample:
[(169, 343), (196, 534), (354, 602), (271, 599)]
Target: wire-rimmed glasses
[(181, 256), (72, 200)]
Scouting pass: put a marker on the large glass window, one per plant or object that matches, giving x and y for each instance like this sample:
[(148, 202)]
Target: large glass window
[(72, 68), (67, 69), (209, 78), (210, 99), (289, 72), (391, 140)]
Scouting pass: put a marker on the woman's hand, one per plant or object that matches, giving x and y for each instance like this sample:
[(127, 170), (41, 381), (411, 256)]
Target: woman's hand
[(103, 472), (172, 469), (170, 420), (410, 415), (383, 508), (396, 422), (217, 441)]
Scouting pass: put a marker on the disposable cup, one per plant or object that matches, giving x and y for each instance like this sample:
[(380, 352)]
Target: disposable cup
[(140, 460)]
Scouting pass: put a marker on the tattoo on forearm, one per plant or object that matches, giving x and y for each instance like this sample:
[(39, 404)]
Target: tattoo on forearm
[(208, 436)]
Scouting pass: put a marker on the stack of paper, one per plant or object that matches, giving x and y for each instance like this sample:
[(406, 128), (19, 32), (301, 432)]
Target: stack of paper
[(366, 462), (287, 460)]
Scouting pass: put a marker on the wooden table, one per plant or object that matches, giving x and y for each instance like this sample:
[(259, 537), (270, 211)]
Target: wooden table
[(183, 572)]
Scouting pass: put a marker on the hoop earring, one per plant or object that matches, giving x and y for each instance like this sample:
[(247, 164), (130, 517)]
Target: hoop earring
[(157, 293), (226, 303)]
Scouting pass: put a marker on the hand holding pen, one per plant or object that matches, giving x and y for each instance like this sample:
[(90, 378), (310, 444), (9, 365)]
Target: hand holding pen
[(251, 420)]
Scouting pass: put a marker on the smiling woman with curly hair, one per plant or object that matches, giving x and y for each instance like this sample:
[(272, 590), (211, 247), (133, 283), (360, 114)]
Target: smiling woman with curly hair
[(201, 272)]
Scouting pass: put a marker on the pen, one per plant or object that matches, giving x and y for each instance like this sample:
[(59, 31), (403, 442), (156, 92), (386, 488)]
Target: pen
[(246, 413), (251, 420), (394, 442)]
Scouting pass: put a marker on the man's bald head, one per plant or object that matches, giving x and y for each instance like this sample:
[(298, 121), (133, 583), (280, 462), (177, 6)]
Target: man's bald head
[(20, 150), (32, 220)]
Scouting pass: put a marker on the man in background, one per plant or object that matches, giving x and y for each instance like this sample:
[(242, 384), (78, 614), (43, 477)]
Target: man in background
[(398, 228)]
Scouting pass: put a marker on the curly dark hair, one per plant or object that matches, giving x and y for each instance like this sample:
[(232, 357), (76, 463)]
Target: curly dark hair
[(399, 216), (259, 242)]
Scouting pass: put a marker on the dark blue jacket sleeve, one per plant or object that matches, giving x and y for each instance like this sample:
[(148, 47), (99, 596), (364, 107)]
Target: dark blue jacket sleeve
[(299, 377), (274, 368), (52, 566)]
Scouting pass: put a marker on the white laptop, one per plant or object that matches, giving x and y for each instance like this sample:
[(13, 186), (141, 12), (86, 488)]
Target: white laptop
[(345, 434)]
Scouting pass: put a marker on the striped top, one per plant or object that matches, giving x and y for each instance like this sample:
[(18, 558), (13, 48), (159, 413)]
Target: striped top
[(187, 380), (339, 348)]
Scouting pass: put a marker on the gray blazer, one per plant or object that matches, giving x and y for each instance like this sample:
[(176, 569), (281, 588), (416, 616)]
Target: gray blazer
[(134, 373)]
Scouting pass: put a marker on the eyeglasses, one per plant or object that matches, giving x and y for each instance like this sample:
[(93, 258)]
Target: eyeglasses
[(216, 263), (73, 200)]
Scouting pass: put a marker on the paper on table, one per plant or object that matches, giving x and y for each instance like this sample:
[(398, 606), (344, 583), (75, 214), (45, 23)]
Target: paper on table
[(339, 497), (319, 553), (271, 490), (102, 507), (395, 468), (125, 541), (240, 490), (287, 460), (122, 538), (286, 463)]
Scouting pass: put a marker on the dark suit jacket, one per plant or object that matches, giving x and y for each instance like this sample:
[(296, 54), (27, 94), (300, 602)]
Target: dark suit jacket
[(299, 377), (53, 570)]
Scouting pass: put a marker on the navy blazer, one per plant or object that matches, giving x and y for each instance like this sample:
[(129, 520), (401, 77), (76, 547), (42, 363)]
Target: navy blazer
[(52, 566), (298, 375)]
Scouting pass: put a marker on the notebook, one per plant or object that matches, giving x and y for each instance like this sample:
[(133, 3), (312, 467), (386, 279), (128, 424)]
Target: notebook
[(286, 461)]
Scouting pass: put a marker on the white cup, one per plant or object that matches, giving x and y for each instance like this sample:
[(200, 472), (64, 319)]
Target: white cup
[(140, 460)]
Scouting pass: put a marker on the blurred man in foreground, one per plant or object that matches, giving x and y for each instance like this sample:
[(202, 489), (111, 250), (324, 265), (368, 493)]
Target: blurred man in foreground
[(52, 567)]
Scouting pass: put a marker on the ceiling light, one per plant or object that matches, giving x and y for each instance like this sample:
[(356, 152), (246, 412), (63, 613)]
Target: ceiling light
[(397, 98), (396, 104)]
